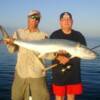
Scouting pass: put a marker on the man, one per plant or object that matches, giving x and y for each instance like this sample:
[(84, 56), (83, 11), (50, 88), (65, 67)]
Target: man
[(66, 76), (29, 78)]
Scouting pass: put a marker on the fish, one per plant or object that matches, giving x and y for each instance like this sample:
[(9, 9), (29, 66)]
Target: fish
[(47, 46)]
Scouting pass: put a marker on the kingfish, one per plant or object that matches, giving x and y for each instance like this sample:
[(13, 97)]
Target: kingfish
[(47, 46)]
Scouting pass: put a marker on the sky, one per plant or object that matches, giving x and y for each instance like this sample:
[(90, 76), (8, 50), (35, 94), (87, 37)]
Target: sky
[(86, 14)]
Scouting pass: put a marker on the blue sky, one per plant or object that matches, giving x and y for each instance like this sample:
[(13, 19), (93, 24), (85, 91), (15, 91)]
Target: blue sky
[(86, 14)]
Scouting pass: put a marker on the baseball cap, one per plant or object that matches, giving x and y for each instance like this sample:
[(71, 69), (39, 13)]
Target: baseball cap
[(34, 12), (65, 14)]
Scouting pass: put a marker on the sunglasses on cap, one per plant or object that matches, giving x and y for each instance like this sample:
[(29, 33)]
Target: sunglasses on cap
[(35, 17)]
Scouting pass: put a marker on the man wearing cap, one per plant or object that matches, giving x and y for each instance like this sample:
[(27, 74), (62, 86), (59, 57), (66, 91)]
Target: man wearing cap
[(66, 76), (29, 77)]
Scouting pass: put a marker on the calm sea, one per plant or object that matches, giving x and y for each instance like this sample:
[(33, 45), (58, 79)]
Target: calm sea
[(90, 74)]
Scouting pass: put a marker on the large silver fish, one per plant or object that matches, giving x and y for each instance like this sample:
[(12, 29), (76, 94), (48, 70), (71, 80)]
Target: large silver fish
[(47, 46), (55, 45)]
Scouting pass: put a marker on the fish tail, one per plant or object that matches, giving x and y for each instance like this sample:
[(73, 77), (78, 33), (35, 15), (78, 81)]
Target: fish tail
[(4, 33)]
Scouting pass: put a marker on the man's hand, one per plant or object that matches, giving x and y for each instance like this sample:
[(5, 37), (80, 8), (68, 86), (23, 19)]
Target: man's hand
[(62, 59), (9, 41)]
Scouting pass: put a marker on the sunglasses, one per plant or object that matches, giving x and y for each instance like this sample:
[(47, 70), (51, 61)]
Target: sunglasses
[(35, 17)]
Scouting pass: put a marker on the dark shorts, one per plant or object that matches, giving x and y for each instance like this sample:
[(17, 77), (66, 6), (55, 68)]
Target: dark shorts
[(75, 89)]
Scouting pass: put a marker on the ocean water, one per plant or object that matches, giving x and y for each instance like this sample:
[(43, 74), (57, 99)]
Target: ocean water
[(90, 74)]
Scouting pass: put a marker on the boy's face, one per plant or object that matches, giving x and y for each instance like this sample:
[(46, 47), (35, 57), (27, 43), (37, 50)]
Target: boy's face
[(66, 22)]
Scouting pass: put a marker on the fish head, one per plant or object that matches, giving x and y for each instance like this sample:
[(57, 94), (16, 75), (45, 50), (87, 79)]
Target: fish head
[(85, 53)]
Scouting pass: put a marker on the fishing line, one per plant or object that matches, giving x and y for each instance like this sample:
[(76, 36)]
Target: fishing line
[(95, 47)]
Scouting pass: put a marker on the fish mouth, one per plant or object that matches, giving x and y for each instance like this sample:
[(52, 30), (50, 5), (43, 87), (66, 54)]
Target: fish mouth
[(91, 56)]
